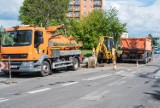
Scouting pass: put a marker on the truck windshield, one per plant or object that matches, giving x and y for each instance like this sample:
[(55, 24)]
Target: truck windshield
[(17, 38)]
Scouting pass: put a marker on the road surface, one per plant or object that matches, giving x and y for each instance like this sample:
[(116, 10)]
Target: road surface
[(127, 87)]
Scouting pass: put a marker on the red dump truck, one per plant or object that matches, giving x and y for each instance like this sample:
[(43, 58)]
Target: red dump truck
[(136, 49)]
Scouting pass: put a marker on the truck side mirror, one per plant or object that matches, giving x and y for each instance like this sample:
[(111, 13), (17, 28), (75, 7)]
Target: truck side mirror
[(39, 33)]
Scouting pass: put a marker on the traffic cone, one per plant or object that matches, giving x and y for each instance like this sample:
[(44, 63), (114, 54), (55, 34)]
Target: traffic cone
[(114, 65), (137, 63), (153, 58)]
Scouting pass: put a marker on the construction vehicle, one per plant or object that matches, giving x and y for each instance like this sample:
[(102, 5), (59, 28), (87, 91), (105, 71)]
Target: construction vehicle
[(105, 50), (136, 49), (39, 49)]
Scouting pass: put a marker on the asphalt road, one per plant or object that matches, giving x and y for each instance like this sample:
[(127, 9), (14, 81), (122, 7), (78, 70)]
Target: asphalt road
[(127, 87)]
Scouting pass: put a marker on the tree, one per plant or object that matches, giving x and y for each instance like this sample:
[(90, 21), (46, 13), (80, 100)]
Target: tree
[(97, 23), (43, 12), (116, 28), (150, 36), (1, 33)]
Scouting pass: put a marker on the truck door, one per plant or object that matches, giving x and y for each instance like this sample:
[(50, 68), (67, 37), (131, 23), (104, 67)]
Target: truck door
[(38, 44)]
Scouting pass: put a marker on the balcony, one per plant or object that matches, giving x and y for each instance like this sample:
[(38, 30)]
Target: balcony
[(97, 0), (70, 9), (97, 8), (71, 2), (77, 3), (69, 14), (77, 9), (77, 15), (97, 3)]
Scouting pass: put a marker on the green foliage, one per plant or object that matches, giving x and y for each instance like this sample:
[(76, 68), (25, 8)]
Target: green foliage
[(1, 34), (97, 23), (45, 12), (150, 36), (86, 53)]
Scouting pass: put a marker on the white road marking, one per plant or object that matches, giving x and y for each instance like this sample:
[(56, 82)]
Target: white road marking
[(95, 96), (97, 77), (120, 72), (116, 83), (67, 84), (41, 90), (129, 69), (3, 100), (126, 74)]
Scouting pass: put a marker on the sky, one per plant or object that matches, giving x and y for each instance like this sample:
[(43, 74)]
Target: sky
[(142, 16)]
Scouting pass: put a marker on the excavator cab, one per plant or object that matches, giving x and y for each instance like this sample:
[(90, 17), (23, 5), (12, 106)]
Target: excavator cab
[(105, 50), (109, 42)]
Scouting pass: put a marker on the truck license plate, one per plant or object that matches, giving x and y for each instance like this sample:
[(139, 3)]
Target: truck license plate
[(13, 66)]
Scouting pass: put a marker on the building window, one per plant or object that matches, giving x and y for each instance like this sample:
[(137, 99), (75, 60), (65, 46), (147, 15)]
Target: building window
[(90, 1), (97, 8), (85, 1), (77, 14), (77, 7), (77, 1), (70, 7), (97, 3), (69, 13), (84, 7)]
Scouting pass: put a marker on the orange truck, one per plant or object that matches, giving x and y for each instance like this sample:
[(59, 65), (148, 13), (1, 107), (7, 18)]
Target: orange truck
[(136, 49), (39, 50)]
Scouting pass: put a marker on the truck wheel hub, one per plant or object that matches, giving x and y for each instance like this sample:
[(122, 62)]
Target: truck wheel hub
[(45, 68)]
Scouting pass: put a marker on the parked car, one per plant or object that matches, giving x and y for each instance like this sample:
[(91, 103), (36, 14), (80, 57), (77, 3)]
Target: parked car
[(156, 51)]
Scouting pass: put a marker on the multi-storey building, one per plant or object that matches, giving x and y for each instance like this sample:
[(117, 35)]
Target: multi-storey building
[(78, 8)]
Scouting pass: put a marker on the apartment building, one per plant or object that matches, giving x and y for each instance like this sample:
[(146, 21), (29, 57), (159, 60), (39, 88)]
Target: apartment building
[(78, 8)]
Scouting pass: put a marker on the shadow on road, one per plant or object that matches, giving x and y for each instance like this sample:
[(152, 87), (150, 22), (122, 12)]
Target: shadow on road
[(156, 83), (153, 65), (149, 75), (155, 95), (31, 75)]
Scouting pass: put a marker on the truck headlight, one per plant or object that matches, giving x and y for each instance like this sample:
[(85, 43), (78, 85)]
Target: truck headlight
[(27, 64)]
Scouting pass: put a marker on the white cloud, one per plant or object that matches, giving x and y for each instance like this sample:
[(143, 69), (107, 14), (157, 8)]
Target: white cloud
[(9, 11), (9, 23), (141, 20)]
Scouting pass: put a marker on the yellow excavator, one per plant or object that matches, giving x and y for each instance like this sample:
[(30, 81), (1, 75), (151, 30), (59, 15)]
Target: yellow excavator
[(106, 51)]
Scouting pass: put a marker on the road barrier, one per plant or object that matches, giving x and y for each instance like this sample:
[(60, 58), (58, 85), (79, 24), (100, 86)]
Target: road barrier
[(153, 58), (114, 65), (137, 63), (3, 65), (9, 81)]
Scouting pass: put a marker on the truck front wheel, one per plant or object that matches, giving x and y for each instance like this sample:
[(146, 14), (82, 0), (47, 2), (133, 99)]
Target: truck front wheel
[(45, 69)]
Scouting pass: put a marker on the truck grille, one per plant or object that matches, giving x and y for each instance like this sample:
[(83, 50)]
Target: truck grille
[(5, 56)]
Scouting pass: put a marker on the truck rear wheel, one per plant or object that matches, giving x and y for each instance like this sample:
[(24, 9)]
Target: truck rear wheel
[(75, 65), (45, 69)]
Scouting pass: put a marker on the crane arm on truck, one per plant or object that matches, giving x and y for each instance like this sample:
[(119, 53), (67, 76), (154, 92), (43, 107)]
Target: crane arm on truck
[(54, 28)]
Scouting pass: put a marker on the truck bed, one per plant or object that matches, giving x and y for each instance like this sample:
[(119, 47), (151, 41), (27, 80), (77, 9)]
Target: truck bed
[(136, 44)]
